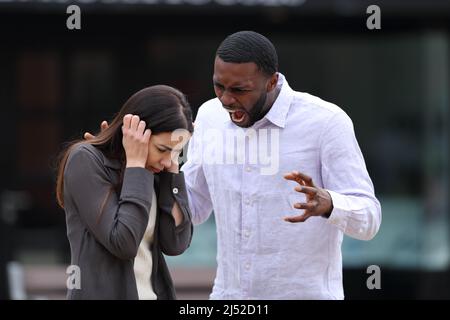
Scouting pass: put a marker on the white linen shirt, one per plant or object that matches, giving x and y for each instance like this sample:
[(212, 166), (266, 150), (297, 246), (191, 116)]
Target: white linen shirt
[(259, 255)]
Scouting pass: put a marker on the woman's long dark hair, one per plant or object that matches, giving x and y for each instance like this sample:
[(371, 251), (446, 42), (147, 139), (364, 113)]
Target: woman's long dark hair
[(163, 108)]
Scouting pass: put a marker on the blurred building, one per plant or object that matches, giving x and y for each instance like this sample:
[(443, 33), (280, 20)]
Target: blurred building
[(57, 83)]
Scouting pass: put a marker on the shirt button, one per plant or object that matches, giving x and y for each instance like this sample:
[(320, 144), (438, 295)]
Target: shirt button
[(247, 201), (247, 266), (246, 233), (175, 190), (248, 169)]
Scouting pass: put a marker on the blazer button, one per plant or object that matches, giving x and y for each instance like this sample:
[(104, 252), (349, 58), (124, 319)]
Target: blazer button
[(175, 190)]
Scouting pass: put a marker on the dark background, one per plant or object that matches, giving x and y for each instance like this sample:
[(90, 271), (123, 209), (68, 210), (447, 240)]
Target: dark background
[(57, 83)]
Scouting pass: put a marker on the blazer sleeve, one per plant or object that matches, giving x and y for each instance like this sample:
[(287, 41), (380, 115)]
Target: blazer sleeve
[(174, 240), (120, 226)]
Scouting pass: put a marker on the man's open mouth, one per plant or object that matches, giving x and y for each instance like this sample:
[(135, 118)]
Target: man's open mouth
[(237, 116)]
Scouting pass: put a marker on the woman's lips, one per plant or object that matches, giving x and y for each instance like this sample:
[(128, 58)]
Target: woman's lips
[(155, 170)]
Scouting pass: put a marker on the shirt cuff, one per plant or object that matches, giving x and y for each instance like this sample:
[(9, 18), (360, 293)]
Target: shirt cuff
[(173, 188), (340, 214)]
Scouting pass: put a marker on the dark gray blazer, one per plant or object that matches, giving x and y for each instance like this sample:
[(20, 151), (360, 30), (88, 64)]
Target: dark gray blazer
[(104, 244)]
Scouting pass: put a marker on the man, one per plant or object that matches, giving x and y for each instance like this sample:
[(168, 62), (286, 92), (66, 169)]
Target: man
[(313, 164)]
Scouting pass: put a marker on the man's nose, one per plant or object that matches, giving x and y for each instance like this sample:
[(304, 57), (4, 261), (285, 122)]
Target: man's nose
[(227, 99)]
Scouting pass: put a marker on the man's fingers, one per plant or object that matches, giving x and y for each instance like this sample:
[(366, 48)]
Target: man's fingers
[(104, 125), (294, 219), (307, 179), (293, 177), (310, 206), (88, 136), (290, 176), (307, 190), (300, 178)]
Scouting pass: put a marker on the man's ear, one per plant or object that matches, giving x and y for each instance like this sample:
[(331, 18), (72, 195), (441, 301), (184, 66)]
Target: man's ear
[(272, 82)]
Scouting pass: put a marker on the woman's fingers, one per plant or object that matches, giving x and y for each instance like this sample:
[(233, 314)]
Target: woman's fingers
[(135, 141), (147, 135), (127, 122), (134, 123), (133, 126), (141, 128)]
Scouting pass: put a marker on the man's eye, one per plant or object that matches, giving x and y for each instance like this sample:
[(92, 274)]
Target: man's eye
[(161, 150)]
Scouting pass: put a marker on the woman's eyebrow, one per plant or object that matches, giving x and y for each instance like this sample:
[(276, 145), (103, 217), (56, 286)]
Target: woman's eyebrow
[(167, 147)]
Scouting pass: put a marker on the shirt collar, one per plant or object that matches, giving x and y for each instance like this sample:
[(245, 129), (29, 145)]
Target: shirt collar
[(280, 108)]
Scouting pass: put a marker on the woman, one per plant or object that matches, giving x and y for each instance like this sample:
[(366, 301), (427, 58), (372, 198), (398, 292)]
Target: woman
[(125, 200)]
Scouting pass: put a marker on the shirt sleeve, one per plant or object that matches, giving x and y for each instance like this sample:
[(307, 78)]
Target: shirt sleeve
[(197, 187), (118, 222), (356, 210)]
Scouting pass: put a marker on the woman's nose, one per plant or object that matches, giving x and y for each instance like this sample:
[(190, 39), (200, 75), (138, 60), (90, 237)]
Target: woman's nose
[(166, 162)]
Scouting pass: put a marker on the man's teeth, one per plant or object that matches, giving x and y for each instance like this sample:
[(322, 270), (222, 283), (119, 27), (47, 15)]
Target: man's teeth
[(236, 118)]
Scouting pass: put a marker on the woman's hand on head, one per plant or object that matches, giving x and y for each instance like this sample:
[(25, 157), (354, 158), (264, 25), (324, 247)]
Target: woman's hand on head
[(135, 141), (175, 167)]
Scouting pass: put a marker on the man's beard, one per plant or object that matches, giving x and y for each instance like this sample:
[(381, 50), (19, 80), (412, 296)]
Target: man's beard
[(257, 112)]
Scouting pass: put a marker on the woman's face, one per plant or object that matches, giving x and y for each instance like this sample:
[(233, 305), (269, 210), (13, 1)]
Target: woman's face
[(164, 149)]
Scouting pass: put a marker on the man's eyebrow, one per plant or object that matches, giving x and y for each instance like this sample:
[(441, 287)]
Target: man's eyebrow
[(236, 86)]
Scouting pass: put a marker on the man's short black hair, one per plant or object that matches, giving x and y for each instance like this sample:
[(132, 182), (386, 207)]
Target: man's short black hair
[(249, 46)]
